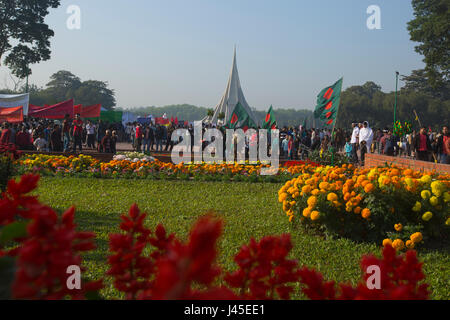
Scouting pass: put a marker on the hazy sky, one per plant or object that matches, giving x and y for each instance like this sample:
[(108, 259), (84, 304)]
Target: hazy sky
[(160, 52)]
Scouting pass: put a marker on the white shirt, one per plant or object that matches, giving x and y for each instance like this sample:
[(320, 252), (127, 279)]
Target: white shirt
[(355, 135), (90, 129), (366, 134)]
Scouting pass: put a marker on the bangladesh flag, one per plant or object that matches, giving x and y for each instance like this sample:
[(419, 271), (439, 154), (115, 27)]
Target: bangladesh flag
[(270, 122), (328, 103), (240, 119)]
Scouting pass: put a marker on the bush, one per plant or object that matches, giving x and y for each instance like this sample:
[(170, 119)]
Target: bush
[(324, 158), (398, 206)]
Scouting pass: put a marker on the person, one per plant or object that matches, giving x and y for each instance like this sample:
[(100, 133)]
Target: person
[(365, 140), (159, 136), (354, 141), (348, 148), (40, 143), (77, 133), (443, 146), (107, 142), (6, 134), (90, 130), (139, 135), (290, 147), (55, 139), (285, 146), (23, 139), (114, 139), (422, 145), (66, 132)]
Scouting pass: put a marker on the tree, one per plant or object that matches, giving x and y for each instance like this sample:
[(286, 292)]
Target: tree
[(431, 27), (93, 92), (24, 37)]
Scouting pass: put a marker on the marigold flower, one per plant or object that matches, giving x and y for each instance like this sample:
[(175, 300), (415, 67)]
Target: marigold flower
[(427, 216), (315, 215), (369, 187), (410, 244), (365, 213), (398, 244), (417, 207), (398, 227), (416, 237), (332, 197), (434, 201), (312, 201), (387, 242), (425, 194)]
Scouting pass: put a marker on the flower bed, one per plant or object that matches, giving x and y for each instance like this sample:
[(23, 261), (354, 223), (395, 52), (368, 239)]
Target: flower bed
[(152, 264), (384, 204), (146, 168)]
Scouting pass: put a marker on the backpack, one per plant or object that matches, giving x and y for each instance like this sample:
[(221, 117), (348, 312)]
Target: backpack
[(389, 146)]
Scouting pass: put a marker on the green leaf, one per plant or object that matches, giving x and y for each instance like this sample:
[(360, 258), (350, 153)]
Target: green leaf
[(13, 231)]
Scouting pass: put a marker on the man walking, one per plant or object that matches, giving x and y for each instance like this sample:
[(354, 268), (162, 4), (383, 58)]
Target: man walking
[(354, 142)]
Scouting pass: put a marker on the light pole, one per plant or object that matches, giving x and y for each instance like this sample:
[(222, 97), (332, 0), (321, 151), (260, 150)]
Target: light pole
[(396, 88)]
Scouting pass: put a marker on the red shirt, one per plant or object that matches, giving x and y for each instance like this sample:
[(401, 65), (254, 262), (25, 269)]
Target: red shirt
[(446, 148), (423, 142), (4, 139), (78, 127), (138, 132)]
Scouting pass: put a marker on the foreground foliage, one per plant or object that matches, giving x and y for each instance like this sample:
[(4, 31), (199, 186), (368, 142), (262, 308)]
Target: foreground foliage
[(148, 264)]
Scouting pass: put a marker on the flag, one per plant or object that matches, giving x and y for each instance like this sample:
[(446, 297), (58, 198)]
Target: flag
[(328, 103), (270, 121), (162, 121), (176, 121), (240, 119)]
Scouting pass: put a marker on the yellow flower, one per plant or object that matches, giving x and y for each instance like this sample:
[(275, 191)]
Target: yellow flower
[(315, 215), (416, 237), (387, 242), (425, 194), (398, 227), (306, 189), (434, 201), (332, 197), (447, 222), (446, 197), (427, 216), (437, 188), (315, 192), (417, 207), (425, 179), (398, 244)]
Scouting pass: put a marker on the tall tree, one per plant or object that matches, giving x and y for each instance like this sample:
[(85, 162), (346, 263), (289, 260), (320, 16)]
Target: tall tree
[(93, 92), (24, 37), (431, 27)]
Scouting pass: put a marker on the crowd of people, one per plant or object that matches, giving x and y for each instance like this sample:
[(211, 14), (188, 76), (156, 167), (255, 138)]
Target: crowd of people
[(295, 143), (67, 135)]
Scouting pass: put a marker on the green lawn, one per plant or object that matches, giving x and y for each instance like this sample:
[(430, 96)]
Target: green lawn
[(248, 209)]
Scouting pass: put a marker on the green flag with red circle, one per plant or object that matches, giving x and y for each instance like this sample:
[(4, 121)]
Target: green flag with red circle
[(328, 103), (269, 121), (240, 119)]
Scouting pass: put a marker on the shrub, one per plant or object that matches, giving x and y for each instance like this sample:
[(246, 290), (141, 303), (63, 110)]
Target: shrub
[(370, 204)]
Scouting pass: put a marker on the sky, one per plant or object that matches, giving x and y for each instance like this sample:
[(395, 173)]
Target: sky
[(162, 52)]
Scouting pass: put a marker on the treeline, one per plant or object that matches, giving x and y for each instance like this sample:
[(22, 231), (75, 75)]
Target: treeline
[(368, 102), (64, 86), (187, 112)]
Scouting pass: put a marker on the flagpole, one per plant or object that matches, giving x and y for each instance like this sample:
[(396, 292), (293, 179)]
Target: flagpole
[(334, 126)]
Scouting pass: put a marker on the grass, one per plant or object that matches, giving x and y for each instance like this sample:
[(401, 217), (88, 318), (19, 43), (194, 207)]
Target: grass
[(248, 209)]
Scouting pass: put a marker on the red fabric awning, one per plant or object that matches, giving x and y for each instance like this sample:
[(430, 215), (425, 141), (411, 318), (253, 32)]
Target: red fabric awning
[(11, 114), (57, 111)]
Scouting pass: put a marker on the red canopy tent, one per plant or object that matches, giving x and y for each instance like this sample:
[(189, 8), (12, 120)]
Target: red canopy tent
[(57, 111), (11, 114)]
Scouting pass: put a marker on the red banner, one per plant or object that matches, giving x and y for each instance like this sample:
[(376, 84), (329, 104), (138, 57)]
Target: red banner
[(11, 114), (57, 111), (91, 111), (162, 121)]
